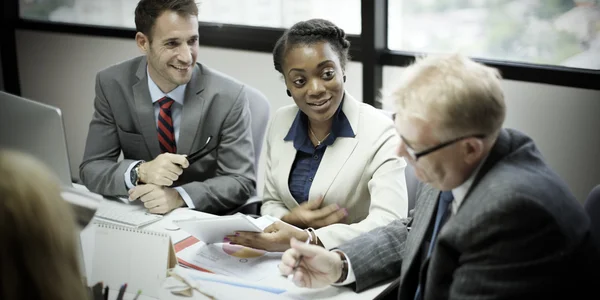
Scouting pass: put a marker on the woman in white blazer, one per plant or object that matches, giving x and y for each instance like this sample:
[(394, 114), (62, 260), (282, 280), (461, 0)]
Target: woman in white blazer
[(331, 162)]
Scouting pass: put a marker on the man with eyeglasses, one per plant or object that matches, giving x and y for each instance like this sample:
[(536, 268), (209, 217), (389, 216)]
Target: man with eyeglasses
[(491, 221)]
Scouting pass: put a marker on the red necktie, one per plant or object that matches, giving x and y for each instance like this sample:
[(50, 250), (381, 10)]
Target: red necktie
[(166, 134)]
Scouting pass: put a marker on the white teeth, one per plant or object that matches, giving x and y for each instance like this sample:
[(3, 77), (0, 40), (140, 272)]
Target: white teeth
[(318, 103)]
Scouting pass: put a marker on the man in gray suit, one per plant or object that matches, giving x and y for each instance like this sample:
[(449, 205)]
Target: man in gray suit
[(158, 109), (491, 221)]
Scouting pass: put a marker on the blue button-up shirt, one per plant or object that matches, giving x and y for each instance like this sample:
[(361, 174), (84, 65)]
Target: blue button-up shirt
[(308, 157)]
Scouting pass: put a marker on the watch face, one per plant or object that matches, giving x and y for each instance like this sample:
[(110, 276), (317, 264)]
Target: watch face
[(133, 177)]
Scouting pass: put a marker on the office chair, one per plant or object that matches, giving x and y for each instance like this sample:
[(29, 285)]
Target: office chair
[(260, 112), (592, 207)]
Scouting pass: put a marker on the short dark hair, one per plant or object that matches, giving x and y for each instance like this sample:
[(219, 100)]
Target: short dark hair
[(147, 11), (311, 32)]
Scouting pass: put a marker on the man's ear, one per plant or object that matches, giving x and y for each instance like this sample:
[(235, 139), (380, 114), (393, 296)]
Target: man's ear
[(142, 42), (473, 150)]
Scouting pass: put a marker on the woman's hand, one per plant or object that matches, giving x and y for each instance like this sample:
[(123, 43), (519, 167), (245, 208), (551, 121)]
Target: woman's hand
[(275, 238), (308, 214)]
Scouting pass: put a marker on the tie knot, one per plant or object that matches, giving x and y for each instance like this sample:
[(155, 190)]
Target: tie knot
[(446, 196), (165, 102)]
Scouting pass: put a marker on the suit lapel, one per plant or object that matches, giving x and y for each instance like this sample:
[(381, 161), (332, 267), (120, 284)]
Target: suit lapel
[(288, 154), (338, 153), (145, 110), (428, 199), (193, 110)]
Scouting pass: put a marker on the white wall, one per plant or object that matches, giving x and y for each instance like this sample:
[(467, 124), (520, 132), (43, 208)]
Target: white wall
[(59, 69)]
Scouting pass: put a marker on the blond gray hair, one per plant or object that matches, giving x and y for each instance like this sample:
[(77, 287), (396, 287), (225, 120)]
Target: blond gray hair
[(38, 257), (461, 95)]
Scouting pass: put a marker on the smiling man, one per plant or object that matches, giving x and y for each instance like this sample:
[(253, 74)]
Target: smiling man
[(159, 108)]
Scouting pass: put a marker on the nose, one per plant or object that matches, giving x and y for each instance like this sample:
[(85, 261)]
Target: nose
[(185, 54), (316, 87)]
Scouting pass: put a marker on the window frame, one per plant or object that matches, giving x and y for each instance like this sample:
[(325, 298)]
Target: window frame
[(369, 48)]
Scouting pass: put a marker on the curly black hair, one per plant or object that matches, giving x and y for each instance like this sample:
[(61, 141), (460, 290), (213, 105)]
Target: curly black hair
[(311, 32)]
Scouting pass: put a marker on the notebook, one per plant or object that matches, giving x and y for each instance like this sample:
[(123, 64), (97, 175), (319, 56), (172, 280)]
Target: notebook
[(137, 257), (126, 214)]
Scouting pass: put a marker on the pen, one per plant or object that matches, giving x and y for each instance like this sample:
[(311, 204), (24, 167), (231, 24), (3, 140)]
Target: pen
[(106, 292), (137, 295), (122, 291), (291, 275)]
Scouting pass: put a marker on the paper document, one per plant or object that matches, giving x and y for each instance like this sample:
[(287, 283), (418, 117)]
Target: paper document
[(213, 230), (226, 259), (220, 287)]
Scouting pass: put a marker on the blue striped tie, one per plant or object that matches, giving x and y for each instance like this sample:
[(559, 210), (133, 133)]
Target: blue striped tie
[(443, 203), (166, 134)]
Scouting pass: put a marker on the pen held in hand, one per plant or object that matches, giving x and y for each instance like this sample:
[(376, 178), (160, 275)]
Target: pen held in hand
[(297, 264)]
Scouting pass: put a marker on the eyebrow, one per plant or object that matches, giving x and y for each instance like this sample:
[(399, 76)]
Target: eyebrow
[(174, 39), (318, 66)]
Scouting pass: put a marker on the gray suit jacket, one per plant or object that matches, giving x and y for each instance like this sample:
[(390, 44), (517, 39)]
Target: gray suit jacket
[(123, 120), (519, 233)]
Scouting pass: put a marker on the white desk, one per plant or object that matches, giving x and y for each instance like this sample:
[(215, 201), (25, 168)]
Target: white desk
[(276, 279)]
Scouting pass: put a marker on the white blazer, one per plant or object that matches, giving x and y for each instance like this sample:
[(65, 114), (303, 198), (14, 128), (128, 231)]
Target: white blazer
[(362, 174)]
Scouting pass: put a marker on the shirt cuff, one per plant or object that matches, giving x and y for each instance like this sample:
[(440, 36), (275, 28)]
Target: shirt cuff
[(186, 197), (351, 277), (127, 175)]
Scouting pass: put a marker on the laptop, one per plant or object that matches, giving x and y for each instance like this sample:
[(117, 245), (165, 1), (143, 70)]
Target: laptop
[(37, 129)]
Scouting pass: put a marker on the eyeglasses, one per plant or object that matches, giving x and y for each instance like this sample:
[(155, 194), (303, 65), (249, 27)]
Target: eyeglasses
[(416, 155)]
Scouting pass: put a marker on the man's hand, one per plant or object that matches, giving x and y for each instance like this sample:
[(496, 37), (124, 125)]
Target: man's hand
[(318, 267), (157, 199), (275, 238), (163, 170), (308, 214)]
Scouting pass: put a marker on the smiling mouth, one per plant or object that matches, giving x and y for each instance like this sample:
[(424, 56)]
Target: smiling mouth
[(181, 68), (319, 103)]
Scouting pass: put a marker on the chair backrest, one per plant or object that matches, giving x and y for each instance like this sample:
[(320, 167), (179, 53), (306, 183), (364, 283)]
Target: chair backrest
[(260, 112), (409, 173), (592, 207)]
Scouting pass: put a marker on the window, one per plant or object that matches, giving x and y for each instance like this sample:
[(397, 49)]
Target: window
[(548, 32), (265, 13)]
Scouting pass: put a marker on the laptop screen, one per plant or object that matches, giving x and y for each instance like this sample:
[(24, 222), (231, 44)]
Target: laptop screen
[(37, 129)]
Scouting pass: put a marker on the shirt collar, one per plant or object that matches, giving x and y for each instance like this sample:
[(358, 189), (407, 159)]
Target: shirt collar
[(461, 191), (298, 132), (178, 94)]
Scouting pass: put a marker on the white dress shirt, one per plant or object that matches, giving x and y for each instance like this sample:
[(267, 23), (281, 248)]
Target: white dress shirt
[(459, 194), (178, 95)]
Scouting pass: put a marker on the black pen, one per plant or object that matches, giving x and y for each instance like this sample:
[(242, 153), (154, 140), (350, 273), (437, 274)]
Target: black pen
[(106, 292), (122, 291)]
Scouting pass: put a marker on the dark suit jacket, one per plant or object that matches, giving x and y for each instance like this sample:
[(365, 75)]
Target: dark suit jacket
[(519, 234), (123, 120)]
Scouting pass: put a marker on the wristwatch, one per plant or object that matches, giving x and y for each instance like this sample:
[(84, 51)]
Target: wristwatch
[(135, 173), (344, 267)]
